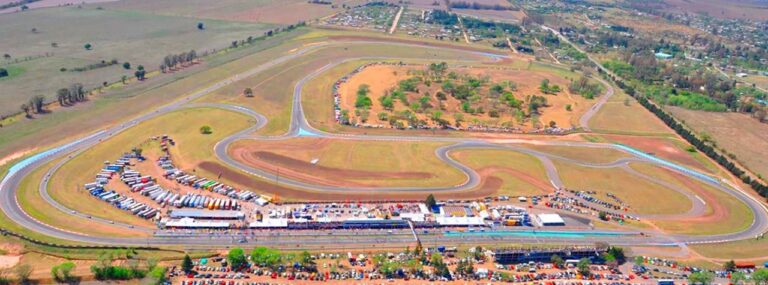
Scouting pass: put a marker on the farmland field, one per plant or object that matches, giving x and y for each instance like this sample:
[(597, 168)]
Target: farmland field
[(261, 11), (741, 135), (127, 36), (130, 100)]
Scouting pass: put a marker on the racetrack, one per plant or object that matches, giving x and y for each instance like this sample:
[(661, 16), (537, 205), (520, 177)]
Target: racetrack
[(300, 127)]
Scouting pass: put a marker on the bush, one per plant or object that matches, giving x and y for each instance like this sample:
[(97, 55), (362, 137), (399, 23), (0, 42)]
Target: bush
[(206, 130), (63, 272)]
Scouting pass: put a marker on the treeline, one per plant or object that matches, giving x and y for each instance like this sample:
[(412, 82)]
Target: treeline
[(480, 6), (700, 144), (92, 66), (17, 4), (174, 61), (321, 2)]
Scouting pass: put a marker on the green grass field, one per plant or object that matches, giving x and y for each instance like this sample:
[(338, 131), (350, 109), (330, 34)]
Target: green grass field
[(641, 195), (183, 126), (141, 38), (522, 174)]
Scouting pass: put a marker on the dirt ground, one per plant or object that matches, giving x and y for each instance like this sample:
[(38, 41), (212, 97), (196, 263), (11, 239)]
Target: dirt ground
[(11, 254), (488, 187), (382, 78)]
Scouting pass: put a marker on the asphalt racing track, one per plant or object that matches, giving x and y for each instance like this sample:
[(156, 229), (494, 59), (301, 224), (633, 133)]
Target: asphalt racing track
[(299, 127)]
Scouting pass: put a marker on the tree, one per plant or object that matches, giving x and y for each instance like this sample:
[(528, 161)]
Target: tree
[(3, 72), (23, 271), (264, 256), (88, 46), (63, 272), (760, 276), (127, 65), (140, 72), (123, 79), (186, 264), (26, 109), (738, 277), (702, 278), (37, 103), (639, 260), (583, 267), (206, 130), (557, 261), (200, 26), (7, 56), (431, 202), (236, 258), (729, 266), (618, 254), (248, 92)]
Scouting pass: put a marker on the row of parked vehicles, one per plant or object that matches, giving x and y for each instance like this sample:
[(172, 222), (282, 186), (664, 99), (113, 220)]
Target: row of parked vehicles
[(202, 183), (115, 199)]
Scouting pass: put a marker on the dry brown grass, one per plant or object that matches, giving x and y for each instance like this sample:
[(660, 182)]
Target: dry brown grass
[(739, 134)]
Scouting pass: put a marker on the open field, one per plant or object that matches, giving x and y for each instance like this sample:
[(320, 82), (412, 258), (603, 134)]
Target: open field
[(348, 162), (520, 174), (263, 11), (634, 191), (745, 249), (725, 9), (183, 126), (119, 104), (737, 133), (584, 154), (122, 35), (616, 117), (485, 108)]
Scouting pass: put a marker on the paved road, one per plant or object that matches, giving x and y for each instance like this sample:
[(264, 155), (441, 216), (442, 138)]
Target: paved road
[(300, 127)]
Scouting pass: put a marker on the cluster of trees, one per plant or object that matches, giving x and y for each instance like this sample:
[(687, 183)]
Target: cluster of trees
[(69, 96), (104, 269), (699, 143), (583, 87), (174, 61), (480, 6), (35, 105), (266, 257), (546, 88)]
